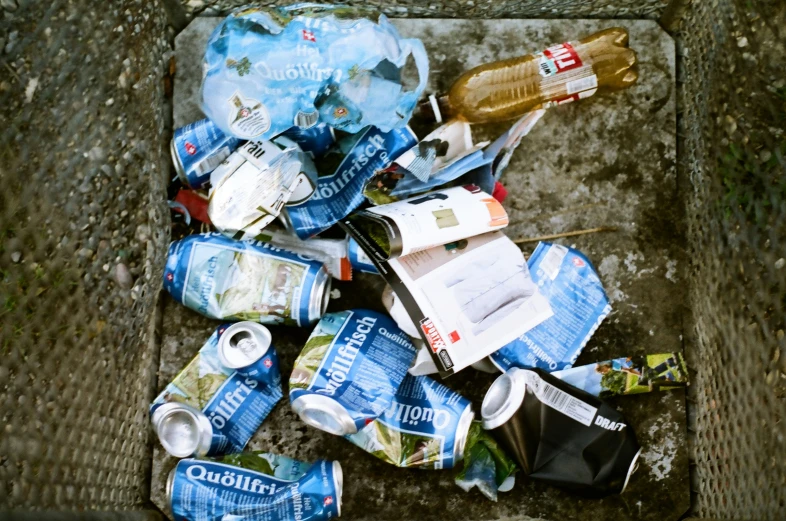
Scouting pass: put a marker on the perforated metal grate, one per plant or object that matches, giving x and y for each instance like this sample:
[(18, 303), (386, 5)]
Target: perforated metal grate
[(84, 111), (475, 9), (733, 159), (83, 169)]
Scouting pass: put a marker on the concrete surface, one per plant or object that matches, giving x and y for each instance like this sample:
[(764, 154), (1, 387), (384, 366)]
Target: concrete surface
[(606, 161)]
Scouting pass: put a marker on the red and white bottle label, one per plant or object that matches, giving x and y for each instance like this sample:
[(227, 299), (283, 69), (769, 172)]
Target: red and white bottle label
[(557, 59)]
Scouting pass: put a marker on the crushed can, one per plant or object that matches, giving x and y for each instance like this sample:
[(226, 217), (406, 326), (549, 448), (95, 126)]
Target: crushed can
[(226, 279), (359, 259), (315, 140), (560, 435), (251, 187), (211, 409), (349, 370), (247, 348), (426, 426), (338, 194), (185, 431), (567, 279), (254, 487), (197, 149)]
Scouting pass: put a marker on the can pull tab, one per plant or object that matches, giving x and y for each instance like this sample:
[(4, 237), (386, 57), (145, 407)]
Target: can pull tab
[(244, 342)]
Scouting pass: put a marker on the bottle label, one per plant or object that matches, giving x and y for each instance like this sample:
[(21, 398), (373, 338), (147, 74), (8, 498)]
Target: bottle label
[(581, 85), (558, 59)]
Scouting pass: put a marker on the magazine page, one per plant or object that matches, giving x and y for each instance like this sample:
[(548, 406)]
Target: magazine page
[(425, 221), (468, 298)]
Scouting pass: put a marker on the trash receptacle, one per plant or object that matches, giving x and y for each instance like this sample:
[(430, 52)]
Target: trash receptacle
[(86, 106)]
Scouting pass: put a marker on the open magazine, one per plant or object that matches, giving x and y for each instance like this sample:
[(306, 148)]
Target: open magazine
[(425, 221), (469, 293)]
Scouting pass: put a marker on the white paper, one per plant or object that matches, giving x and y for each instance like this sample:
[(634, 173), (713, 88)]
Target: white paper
[(474, 298)]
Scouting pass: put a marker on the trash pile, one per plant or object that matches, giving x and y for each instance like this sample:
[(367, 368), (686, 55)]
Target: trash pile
[(306, 171)]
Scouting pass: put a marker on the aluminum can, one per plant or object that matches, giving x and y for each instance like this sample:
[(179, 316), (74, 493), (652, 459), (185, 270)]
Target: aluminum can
[(349, 370), (559, 434), (197, 149), (216, 491), (338, 194), (426, 426), (185, 431), (210, 409), (226, 279), (247, 348), (359, 259)]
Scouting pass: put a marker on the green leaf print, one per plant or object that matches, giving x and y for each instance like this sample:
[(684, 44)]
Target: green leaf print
[(208, 385), (250, 461), (309, 359)]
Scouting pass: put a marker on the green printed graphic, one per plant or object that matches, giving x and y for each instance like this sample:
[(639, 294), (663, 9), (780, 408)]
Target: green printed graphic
[(308, 362), (398, 448)]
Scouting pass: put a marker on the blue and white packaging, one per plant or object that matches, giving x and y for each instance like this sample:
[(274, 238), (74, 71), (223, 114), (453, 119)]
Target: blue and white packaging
[(426, 426), (207, 490), (358, 258), (236, 405), (315, 140), (268, 68), (226, 279), (197, 149), (349, 370), (569, 282), (338, 194)]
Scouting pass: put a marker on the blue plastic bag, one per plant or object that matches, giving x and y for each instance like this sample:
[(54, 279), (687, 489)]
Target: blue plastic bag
[(267, 69)]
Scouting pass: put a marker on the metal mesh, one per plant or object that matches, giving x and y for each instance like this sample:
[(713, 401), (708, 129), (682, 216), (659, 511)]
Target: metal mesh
[(474, 9), (733, 154), (83, 230), (83, 227)]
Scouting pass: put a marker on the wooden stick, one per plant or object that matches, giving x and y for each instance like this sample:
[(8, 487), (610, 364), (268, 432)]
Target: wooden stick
[(565, 234)]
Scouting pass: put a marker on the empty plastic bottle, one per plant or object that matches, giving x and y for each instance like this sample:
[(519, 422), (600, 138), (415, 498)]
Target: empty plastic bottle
[(507, 89)]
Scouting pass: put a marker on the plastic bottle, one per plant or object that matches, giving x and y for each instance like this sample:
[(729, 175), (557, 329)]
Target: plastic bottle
[(507, 89)]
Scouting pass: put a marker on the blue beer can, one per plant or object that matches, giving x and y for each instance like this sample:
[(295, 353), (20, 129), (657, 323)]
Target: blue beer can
[(210, 409), (359, 259), (205, 490), (226, 279), (338, 194), (349, 370), (426, 426), (315, 140), (197, 149), (247, 348), (571, 285)]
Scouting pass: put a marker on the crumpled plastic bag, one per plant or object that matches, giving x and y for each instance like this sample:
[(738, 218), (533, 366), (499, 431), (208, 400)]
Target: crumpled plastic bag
[(268, 69)]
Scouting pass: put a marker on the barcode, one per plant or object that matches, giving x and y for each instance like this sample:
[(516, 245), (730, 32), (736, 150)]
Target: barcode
[(566, 404), (210, 163), (590, 82), (553, 260), (306, 119), (555, 398)]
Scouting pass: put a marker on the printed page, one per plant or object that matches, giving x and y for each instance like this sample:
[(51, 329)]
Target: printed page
[(426, 221), (469, 298)]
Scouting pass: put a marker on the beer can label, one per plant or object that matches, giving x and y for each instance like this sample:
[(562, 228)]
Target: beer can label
[(226, 279), (200, 147), (214, 491), (265, 370), (358, 358), (573, 289), (315, 140), (338, 194), (235, 405), (358, 258), (420, 428)]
